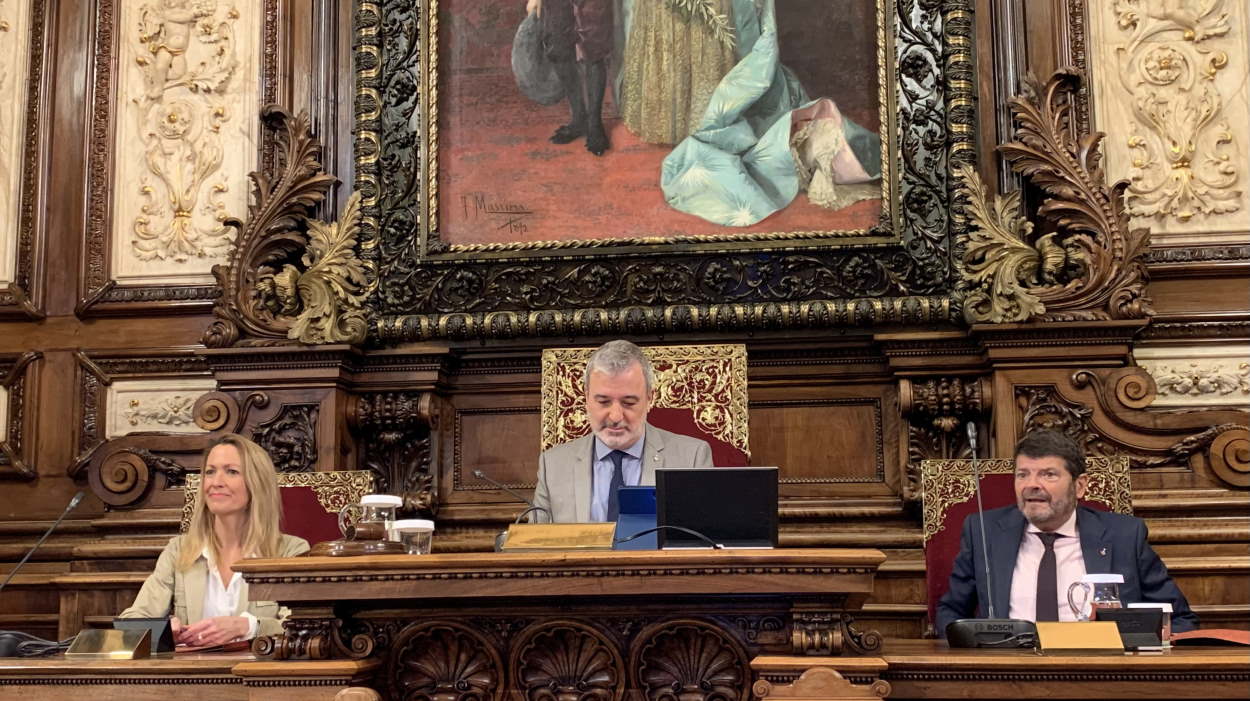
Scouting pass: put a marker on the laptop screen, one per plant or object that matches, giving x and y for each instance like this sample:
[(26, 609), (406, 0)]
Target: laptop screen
[(733, 506)]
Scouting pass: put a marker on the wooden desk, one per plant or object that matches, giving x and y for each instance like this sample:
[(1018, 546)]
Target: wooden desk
[(929, 669), (204, 677), (609, 622)]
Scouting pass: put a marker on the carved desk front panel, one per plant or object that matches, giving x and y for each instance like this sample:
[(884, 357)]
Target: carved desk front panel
[(486, 626)]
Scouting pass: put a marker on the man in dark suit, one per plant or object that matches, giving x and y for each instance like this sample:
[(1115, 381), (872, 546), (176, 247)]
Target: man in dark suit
[(1038, 547)]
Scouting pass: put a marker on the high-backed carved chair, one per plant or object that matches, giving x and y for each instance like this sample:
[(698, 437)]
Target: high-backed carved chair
[(310, 501), (701, 391), (949, 498)]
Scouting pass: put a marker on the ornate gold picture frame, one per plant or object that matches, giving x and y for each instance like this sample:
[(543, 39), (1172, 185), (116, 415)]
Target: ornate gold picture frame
[(423, 116)]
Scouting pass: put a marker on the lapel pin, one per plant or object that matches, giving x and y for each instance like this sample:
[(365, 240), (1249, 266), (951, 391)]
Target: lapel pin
[(1103, 552)]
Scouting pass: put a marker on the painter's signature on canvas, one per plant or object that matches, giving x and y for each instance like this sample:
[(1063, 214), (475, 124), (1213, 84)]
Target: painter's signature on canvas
[(504, 215)]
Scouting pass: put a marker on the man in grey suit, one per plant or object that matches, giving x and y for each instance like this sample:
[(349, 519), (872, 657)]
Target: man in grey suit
[(578, 480)]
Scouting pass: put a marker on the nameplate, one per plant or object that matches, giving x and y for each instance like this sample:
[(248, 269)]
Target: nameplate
[(1090, 636), (532, 537), (103, 644)]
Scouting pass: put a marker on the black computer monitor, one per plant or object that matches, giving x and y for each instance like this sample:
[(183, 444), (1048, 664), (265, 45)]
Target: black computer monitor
[(733, 506)]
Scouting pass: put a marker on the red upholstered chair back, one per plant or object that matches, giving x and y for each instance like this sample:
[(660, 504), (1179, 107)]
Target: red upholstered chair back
[(949, 498), (701, 391), (310, 501)]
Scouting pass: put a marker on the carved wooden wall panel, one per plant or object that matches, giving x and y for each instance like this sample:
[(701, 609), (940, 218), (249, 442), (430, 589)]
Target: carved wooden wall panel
[(17, 404), (158, 381), (177, 89), (1169, 83), (23, 40)]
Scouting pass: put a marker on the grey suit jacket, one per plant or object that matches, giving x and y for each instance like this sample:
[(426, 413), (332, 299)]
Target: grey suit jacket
[(183, 592), (565, 474)]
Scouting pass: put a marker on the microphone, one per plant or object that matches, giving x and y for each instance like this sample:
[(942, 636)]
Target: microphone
[(13, 643), (503, 535), (991, 631), (976, 485), (68, 508)]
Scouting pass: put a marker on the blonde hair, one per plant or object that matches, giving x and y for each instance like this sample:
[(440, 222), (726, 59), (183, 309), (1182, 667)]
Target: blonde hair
[(261, 537)]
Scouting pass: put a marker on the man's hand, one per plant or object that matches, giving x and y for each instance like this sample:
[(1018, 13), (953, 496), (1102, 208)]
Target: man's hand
[(534, 7), (214, 631)]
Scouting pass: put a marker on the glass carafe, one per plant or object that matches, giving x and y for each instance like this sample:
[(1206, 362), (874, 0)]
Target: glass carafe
[(1097, 591), (376, 517)]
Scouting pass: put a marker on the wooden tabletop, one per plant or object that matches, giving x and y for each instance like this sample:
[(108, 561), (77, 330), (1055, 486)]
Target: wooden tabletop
[(786, 572)]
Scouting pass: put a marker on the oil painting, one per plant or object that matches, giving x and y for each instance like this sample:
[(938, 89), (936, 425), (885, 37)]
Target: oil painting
[(585, 122)]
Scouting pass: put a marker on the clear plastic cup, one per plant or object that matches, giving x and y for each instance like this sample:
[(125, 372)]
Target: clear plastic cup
[(416, 534)]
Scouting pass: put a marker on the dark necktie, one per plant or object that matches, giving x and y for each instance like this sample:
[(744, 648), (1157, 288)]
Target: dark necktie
[(1048, 580), (614, 487)]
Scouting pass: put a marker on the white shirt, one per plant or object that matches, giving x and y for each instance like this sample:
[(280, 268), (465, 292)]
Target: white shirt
[(1069, 565), (223, 599), (631, 472)]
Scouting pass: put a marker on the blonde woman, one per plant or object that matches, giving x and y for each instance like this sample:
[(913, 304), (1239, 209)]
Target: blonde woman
[(236, 515)]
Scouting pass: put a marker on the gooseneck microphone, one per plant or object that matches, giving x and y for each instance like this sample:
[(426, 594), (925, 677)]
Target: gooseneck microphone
[(14, 643), (482, 476), (68, 508), (976, 485), (991, 631)]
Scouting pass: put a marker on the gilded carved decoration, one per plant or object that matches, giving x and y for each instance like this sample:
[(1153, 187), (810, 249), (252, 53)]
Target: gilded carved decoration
[(950, 482), (397, 446), (1173, 75), (938, 411), (1092, 266), (187, 96), (710, 380), (427, 290), (288, 276)]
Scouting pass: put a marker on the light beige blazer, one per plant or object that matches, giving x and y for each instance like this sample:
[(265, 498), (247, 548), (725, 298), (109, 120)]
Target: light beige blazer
[(564, 474), (184, 591)]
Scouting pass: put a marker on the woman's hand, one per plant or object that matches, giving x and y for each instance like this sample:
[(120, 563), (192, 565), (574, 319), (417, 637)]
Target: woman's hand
[(214, 631), (534, 7)]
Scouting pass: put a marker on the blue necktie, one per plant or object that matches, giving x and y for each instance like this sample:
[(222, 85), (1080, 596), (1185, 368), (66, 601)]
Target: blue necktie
[(614, 487)]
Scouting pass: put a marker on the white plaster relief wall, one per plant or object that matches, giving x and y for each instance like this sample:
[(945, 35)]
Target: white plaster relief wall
[(14, 63), (153, 405), (1170, 85), (187, 128), (1198, 376)]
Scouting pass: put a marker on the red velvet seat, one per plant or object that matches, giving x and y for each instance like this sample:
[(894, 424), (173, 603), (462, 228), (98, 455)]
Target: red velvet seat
[(310, 501), (701, 391), (949, 498)]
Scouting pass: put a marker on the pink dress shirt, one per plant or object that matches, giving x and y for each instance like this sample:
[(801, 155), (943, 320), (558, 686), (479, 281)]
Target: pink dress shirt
[(1069, 562)]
